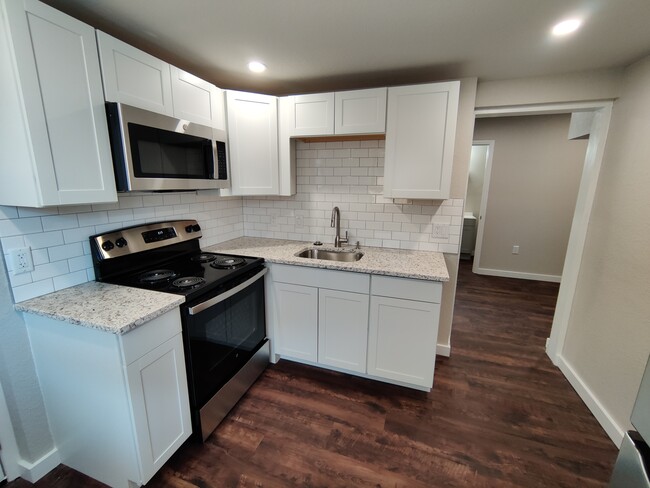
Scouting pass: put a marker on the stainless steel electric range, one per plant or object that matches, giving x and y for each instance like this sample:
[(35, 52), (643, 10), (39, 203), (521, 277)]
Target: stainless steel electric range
[(223, 317)]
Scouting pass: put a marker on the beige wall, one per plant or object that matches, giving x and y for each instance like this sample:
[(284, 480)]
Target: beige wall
[(608, 339), (590, 85), (462, 150), (533, 189)]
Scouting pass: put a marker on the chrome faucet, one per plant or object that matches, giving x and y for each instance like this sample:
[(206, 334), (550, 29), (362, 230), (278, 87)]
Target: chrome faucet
[(336, 222)]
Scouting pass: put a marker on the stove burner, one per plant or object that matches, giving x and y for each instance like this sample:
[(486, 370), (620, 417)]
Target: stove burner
[(204, 257), (228, 262), (156, 276), (188, 282)]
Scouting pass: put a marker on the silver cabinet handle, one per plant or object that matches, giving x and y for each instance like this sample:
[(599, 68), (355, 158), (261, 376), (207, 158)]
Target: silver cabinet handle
[(220, 298)]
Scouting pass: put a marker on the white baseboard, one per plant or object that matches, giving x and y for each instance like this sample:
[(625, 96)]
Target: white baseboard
[(35, 471), (443, 350), (613, 430), (518, 274)]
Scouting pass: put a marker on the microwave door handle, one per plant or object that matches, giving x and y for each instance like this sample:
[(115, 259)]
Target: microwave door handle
[(220, 298)]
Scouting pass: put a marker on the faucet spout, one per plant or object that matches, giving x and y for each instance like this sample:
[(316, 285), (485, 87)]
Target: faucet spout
[(335, 221)]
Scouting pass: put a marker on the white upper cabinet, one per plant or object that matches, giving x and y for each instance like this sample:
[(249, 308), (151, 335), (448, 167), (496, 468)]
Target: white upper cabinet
[(326, 114), (197, 100), (420, 133), (360, 112), (134, 77), (54, 147), (309, 115), (253, 143)]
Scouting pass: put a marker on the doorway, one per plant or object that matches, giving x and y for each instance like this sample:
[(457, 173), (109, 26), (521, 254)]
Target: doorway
[(580, 221)]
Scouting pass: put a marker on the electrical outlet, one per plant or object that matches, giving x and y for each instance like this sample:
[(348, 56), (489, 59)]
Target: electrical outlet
[(21, 259), (440, 231), (515, 249), (299, 220)]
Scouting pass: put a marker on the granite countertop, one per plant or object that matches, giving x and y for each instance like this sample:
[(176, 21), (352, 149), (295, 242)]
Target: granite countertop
[(112, 308), (423, 265)]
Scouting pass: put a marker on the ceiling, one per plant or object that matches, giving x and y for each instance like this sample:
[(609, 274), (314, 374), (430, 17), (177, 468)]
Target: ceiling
[(323, 45)]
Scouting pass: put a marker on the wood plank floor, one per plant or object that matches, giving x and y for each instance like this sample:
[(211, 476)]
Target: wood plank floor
[(500, 415)]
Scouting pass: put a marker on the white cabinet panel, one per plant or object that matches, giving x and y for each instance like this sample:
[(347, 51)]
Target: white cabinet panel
[(113, 420), (342, 329), (360, 111), (310, 115), (197, 100), (54, 147), (134, 77), (409, 289), (158, 389), (402, 340), (297, 316), (420, 134), (253, 142)]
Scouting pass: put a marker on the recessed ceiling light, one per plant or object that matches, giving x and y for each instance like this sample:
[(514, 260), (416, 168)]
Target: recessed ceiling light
[(257, 67), (566, 27)]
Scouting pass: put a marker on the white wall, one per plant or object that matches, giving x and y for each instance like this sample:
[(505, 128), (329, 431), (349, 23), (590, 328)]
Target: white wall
[(608, 337), (534, 184)]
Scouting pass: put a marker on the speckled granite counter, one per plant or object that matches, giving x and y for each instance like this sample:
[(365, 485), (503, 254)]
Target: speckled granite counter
[(421, 265), (113, 308)]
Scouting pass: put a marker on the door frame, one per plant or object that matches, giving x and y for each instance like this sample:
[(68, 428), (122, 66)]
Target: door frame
[(584, 204), (484, 198)]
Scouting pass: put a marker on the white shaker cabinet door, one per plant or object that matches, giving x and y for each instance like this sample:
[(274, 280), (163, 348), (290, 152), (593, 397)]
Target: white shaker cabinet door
[(197, 100), (161, 411), (420, 134), (54, 146), (360, 111), (134, 77), (308, 115), (342, 329), (297, 321), (253, 143), (402, 340)]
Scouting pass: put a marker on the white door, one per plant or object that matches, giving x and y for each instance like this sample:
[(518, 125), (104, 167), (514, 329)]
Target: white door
[(483, 150), (297, 321), (134, 77), (343, 329), (402, 340), (161, 411), (309, 115), (360, 111), (253, 142), (197, 100), (420, 135)]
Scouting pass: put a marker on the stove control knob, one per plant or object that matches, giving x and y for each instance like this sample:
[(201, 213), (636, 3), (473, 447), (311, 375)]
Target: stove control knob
[(107, 246), (189, 229), (196, 227), (121, 242)]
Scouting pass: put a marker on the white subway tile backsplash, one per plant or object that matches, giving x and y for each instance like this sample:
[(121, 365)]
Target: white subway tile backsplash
[(349, 174), (58, 236)]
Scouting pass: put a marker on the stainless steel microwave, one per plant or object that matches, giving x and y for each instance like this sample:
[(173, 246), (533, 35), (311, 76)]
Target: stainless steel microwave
[(154, 152)]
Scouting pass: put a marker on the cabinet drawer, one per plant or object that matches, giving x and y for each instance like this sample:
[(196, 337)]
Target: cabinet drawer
[(145, 338), (321, 278), (408, 289)]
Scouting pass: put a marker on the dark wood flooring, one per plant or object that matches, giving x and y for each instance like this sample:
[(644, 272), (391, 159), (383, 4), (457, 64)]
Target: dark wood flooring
[(500, 415)]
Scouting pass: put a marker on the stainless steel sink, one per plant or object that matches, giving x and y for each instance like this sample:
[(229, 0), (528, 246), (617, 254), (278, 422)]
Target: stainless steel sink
[(346, 256)]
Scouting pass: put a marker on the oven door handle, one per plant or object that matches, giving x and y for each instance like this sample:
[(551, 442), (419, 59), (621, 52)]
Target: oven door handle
[(220, 298)]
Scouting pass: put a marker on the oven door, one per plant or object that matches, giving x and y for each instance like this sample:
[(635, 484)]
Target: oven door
[(222, 333)]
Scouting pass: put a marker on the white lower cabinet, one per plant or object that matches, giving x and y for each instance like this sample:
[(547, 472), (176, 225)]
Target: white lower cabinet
[(117, 405), (342, 329), (297, 328), (380, 327), (402, 339)]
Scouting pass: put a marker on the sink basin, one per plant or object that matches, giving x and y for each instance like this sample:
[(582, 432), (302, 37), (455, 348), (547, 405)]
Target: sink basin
[(346, 256)]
